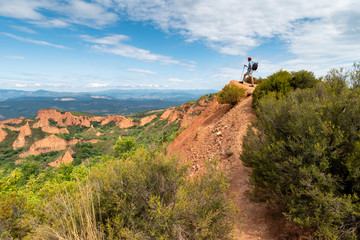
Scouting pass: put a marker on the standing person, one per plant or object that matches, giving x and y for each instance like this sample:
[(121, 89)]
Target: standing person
[(249, 72)]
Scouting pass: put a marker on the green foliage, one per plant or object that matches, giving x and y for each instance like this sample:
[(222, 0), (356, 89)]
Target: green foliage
[(283, 82), (305, 156), (36, 135), (256, 80), (84, 151), (148, 196), (44, 157), (66, 136), (52, 122), (230, 94), (125, 147), (355, 75)]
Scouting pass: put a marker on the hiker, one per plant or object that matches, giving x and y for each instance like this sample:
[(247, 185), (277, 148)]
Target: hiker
[(249, 72)]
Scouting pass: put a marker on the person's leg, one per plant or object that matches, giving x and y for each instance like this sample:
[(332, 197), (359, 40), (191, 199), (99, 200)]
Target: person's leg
[(252, 79)]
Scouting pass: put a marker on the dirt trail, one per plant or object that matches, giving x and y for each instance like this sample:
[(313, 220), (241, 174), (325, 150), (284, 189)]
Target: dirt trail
[(218, 134)]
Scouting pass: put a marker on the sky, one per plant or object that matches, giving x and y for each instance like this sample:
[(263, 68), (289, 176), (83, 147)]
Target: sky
[(93, 45)]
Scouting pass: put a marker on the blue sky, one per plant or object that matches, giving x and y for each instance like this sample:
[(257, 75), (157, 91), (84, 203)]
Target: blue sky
[(91, 45)]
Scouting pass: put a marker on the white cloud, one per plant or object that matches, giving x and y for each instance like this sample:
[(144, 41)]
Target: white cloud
[(20, 85), (311, 29), (90, 14), (140, 70), (23, 9), (38, 42), (175, 80), (24, 29), (52, 23), (113, 44), (97, 85), (69, 12)]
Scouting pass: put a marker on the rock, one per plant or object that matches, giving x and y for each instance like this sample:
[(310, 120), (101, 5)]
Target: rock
[(66, 158), (3, 133), (48, 144), (20, 141), (53, 130), (146, 120)]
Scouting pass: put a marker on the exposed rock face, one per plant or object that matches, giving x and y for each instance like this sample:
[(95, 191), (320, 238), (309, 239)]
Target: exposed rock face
[(45, 114), (186, 113), (146, 120), (66, 119), (53, 130), (51, 143), (3, 133), (66, 158), (74, 120), (20, 141), (120, 121), (99, 134), (166, 114), (14, 120)]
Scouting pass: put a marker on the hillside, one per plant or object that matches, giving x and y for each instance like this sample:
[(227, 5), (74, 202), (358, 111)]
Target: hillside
[(212, 132), (216, 135), (59, 136)]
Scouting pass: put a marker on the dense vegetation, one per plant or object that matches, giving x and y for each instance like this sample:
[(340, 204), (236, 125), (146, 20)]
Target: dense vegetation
[(230, 94), (305, 151), (117, 188), (141, 194)]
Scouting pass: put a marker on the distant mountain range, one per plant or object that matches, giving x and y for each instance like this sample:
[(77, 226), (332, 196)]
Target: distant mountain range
[(16, 103)]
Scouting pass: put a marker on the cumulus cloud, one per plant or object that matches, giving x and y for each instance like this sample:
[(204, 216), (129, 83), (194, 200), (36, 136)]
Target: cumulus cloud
[(69, 12), (231, 27), (23, 9), (311, 30), (113, 44)]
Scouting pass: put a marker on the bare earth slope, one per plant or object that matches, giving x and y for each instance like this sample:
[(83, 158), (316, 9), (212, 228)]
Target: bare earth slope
[(217, 134)]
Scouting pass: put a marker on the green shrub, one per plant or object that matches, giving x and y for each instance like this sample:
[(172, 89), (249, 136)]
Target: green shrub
[(83, 151), (148, 196), (124, 147), (283, 82), (305, 157), (230, 94), (52, 122)]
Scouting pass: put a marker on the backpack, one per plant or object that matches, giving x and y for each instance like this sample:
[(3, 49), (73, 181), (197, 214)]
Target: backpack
[(255, 66)]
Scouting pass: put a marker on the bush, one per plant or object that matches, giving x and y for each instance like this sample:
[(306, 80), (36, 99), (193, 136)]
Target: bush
[(283, 82), (125, 147), (305, 157), (230, 94), (148, 196)]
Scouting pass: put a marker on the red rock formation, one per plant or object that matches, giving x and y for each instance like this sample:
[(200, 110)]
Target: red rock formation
[(54, 130), (13, 121), (66, 158), (45, 114), (3, 133), (167, 113), (146, 120), (120, 121), (74, 120), (20, 141), (48, 144)]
